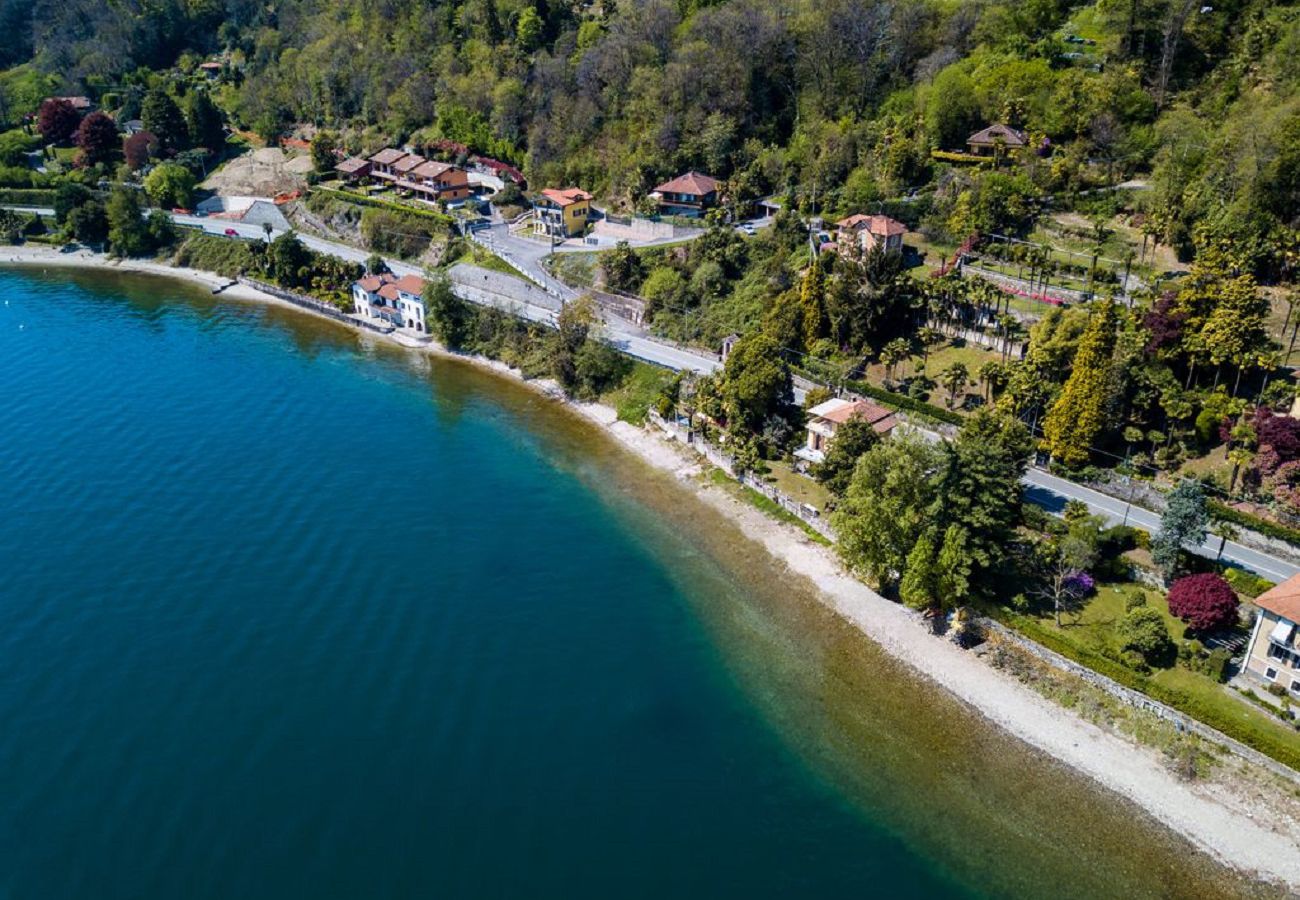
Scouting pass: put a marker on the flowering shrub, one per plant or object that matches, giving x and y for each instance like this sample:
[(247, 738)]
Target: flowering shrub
[(1205, 602), (1080, 584)]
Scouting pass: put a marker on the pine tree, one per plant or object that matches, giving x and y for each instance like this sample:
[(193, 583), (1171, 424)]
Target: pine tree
[(1078, 415)]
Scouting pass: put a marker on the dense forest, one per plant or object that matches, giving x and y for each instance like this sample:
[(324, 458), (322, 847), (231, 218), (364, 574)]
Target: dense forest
[(842, 101)]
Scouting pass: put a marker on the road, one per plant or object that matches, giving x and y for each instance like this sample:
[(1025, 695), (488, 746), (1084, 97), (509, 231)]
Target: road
[(1051, 493), (1043, 488)]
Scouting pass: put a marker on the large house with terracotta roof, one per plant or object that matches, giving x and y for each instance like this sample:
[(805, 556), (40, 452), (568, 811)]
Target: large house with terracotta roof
[(397, 301), (687, 195), (1273, 655), (561, 213), (381, 164), (868, 232), (825, 419)]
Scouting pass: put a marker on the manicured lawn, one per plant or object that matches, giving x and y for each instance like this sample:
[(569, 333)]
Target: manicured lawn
[(721, 479), (1093, 630)]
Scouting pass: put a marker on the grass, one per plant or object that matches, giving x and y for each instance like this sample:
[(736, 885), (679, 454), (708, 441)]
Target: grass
[(1092, 633), (799, 487), (721, 479), (638, 392), (484, 260)]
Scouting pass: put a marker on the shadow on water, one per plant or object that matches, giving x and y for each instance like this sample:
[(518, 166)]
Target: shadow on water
[(983, 808)]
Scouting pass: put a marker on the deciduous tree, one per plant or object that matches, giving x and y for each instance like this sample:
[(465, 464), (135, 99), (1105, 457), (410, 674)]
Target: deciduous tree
[(97, 138), (1205, 602), (57, 120)]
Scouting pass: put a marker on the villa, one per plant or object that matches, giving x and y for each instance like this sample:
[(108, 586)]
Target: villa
[(869, 232), (398, 301), (1273, 655), (825, 419), (561, 213), (687, 195), (433, 180), (381, 164)]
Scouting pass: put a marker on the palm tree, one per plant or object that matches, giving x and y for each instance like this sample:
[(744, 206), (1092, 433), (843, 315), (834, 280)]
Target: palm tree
[(892, 354), (954, 378)]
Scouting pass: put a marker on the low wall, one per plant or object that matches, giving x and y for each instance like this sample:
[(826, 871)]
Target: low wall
[(316, 306), (1139, 700), (724, 461)]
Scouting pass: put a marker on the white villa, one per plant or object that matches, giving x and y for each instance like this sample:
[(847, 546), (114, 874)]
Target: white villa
[(398, 301), (825, 419)]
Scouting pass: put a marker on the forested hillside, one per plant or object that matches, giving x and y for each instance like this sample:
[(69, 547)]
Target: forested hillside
[(844, 100)]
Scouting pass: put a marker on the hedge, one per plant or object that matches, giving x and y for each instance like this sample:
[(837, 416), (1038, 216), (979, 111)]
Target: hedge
[(359, 200), (1208, 715), (1225, 513), (27, 196), (906, 403)]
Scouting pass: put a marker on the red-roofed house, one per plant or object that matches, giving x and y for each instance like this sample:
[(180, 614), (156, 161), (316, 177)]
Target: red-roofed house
[(1274, 653), (868, 232), (826, 418), (398, 301), (561, 213), (435, 180), (687, 195)]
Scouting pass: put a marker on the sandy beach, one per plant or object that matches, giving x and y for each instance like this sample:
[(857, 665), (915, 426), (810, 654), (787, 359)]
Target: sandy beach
[(1252, 826)]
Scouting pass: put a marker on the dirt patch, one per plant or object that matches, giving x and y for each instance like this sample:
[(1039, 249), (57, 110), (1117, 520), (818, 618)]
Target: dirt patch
[(260, 173)]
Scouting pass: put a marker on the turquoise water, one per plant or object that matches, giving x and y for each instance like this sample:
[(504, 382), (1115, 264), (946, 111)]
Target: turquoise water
[(286, 614)]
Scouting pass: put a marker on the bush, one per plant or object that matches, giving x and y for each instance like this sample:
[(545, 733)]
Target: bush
[(1134, 599), (1144, 633), (1205, 602), (1225, 513), (1247, 584)]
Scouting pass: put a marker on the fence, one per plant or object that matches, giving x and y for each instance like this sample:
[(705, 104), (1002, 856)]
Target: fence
[(726, 463), (486, 238), (1141, 701), (316, 306)]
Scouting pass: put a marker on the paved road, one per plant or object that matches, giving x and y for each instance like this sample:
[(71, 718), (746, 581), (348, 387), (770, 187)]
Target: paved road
[(515, 295), (1051, 493)]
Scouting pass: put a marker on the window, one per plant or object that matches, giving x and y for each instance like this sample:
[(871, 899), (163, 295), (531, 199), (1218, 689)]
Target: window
[(1270, 673), (1295, 685)]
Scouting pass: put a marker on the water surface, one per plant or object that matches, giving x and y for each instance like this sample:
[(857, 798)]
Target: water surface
[(286, 613)]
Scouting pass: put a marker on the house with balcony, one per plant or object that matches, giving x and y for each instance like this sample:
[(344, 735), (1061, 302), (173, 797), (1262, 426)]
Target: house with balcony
[(382, 163), (687, 195), (825, 419), (397, 301), (1273, 654), (868, 232), (561, 213), (432, 180)]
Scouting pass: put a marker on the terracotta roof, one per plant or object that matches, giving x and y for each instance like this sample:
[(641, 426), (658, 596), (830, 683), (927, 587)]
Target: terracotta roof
[(1283, 600), (388, 291), (878, 225), (840, 411), (371, 283), (411, 284), (387, 156), (352, 165), (431, 169), (690, 183), (566, 197), (77, 102), (407, 163), (1008, 135), (211, 64)]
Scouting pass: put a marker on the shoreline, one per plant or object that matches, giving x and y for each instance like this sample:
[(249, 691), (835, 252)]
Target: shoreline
[(1232, 827)]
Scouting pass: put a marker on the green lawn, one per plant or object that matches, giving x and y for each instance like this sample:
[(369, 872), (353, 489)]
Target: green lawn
[(721, 479), (1092, 631), (798, 487)]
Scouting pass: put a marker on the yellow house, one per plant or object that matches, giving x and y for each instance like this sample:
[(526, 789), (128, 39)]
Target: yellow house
[(562, 213)]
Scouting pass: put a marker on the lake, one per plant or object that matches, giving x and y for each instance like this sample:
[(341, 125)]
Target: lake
[(287, 612)]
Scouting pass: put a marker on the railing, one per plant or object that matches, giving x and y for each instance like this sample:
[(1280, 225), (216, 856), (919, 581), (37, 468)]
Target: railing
[(726, 463)]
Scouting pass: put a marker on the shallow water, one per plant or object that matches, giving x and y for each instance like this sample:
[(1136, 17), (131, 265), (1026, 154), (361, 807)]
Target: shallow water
[(283, 612)]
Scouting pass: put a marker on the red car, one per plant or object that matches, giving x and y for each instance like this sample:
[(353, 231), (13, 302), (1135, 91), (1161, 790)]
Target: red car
[(230, 232)]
